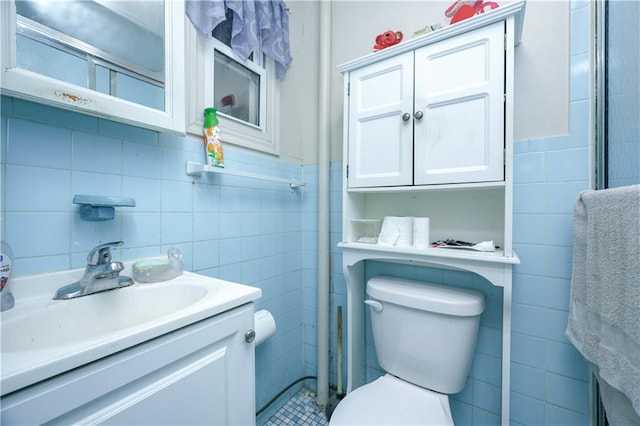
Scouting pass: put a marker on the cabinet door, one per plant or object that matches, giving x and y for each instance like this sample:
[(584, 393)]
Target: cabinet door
[(380, 138), (123, 61), (459, 89), (201, 374)]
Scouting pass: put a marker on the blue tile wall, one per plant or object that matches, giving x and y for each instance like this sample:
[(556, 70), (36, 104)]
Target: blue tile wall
[(255, 232), (549, 377)]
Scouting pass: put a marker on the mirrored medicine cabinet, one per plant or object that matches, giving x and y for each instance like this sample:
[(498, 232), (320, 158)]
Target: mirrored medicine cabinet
[(121, 60)]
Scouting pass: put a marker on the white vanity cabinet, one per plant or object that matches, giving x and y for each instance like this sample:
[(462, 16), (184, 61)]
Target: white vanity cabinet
[(428, 132), (433, 115), (199, 374)]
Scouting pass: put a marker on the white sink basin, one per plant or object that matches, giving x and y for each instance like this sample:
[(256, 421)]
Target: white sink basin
[(42, 337), (43, 323)]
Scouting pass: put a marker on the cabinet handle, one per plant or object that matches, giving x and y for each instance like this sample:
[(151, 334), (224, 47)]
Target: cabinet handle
[(406, 116), (418, 115), (249, 336)]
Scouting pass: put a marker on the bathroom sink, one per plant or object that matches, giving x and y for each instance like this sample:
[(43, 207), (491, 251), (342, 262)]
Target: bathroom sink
[(44, 324), (42, 337)]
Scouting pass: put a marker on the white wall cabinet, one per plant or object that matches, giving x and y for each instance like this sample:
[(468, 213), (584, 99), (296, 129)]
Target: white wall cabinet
[(434, 115), (59, 63), (428, 131), (200, 374)]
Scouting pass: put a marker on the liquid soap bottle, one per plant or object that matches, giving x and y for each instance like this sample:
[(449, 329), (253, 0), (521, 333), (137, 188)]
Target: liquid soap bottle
[(6, 297)]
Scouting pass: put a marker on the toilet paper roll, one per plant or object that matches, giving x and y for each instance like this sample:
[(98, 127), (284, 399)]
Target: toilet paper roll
[(396, 231), (421, 232), (389, 233), (264, 326)]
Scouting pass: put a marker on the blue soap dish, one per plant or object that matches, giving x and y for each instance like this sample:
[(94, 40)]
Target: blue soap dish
[(100, 207)]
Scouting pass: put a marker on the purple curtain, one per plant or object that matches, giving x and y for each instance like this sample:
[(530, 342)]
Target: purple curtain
[(254, 22)]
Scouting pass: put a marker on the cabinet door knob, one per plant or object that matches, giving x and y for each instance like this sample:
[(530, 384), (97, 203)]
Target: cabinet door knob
[(406, 116), (418, 115), (249, 336)]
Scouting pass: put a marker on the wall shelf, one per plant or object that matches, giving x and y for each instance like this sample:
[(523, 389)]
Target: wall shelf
[(476, 186), (194, 168), (493, 266)]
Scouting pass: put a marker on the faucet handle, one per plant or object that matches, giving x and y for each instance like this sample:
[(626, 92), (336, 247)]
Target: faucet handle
[(101, 254)]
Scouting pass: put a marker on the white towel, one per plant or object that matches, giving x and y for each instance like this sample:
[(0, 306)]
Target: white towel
[(604, 313)]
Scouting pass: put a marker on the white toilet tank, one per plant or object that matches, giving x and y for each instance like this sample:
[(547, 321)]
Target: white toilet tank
[(424, 333)]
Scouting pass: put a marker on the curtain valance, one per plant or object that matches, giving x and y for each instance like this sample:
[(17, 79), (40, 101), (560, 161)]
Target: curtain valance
[(253, 22)]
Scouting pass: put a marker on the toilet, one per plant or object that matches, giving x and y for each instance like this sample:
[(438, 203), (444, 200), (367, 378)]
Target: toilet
[(425, 336)]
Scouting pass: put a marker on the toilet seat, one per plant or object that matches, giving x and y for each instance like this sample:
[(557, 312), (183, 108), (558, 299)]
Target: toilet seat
[(391, 401)]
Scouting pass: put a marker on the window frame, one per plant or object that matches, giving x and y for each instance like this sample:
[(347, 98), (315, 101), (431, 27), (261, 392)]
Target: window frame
[(200, 53)]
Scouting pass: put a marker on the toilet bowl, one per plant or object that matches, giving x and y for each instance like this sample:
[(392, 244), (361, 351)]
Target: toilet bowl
[(391, 401), (424, 335)]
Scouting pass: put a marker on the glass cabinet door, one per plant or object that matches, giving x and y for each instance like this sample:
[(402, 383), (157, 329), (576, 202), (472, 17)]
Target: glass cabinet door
[(109, 58)]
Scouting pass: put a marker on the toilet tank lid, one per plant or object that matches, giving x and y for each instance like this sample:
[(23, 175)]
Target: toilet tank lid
[(425, 296)]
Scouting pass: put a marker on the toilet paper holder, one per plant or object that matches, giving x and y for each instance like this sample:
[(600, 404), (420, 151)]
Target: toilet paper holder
[(249, 336), (263, 328)]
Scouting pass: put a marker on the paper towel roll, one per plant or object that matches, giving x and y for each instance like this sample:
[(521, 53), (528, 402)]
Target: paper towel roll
[(396, 231), (421, 232), (264, 326)]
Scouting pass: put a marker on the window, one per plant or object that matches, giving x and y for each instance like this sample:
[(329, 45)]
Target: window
[(244, 92), (238, 88)]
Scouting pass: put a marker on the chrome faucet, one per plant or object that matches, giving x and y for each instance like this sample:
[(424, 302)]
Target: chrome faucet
[(101, 274)]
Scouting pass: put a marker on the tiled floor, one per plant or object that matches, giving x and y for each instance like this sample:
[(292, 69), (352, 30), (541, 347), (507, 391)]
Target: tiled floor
[(300, 410)]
